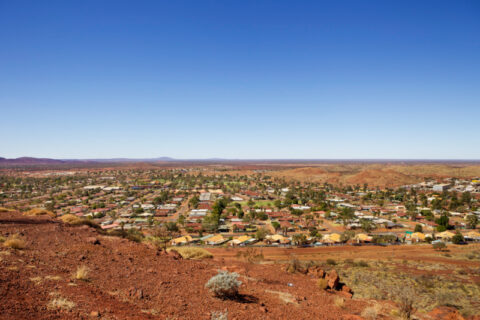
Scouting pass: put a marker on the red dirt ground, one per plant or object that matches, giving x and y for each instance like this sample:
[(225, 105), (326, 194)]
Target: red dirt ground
[(129, 280)]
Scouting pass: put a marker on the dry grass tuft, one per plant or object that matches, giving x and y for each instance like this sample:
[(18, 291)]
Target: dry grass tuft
[(53, 278), (192, 253), (37, 280), (15, 242), (71, 219), (3, 209), (339, 302), (60, 303), (322, 284), (284, 296), (371, 313), (39, 212), (81, 273)]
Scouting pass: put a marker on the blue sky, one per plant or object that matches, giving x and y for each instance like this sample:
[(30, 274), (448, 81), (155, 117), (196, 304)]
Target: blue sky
[(240, 79)]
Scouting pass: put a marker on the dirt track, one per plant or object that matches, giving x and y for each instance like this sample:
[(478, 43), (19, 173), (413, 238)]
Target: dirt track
[(402, 252)]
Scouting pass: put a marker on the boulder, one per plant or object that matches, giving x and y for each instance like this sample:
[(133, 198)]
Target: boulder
[(317, 272), (346, 288), (332, 279), (95, 314)]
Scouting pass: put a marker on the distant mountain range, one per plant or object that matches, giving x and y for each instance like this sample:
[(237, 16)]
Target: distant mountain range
[(47, 161), (30, 161)]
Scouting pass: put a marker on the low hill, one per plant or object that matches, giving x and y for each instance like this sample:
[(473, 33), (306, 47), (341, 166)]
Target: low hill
[(128, 280)]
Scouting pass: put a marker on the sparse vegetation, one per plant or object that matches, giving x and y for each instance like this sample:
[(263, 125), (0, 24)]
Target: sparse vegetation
[(224, 285)]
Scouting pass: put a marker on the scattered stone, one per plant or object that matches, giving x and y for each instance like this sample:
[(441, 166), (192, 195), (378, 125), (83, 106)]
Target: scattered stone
[(93, 240), (445, 313), (175, 255), (95, 314)]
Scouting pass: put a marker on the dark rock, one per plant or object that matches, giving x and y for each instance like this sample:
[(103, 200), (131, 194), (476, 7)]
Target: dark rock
[(93, 240)]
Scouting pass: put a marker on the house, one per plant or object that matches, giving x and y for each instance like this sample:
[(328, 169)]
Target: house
[(277, 238), (362, 237), (331, 238), (182, 240), (441, 187), (446, 235), (205, 196), (240, 240), (198, 213), (216, 240)]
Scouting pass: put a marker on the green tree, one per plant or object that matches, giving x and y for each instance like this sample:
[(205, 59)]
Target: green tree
[(458, 238), (261, 234), (472, 221), (367, 225), (276, 225), (299, 239), (418, 228), (442, 223), (346, 215)]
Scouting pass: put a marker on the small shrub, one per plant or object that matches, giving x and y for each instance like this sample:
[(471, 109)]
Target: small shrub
[(219, 315), (135, 235), (294, 265), (251, 255), (405, 300), (192, 253), (15, 242), (81, 273), (224, 284), (362, 264), (322, 284), (439, 246), (2, 239), (331, 262)]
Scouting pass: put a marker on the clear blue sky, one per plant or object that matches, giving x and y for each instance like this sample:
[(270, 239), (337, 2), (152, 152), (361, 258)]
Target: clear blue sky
[(240, 79)]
